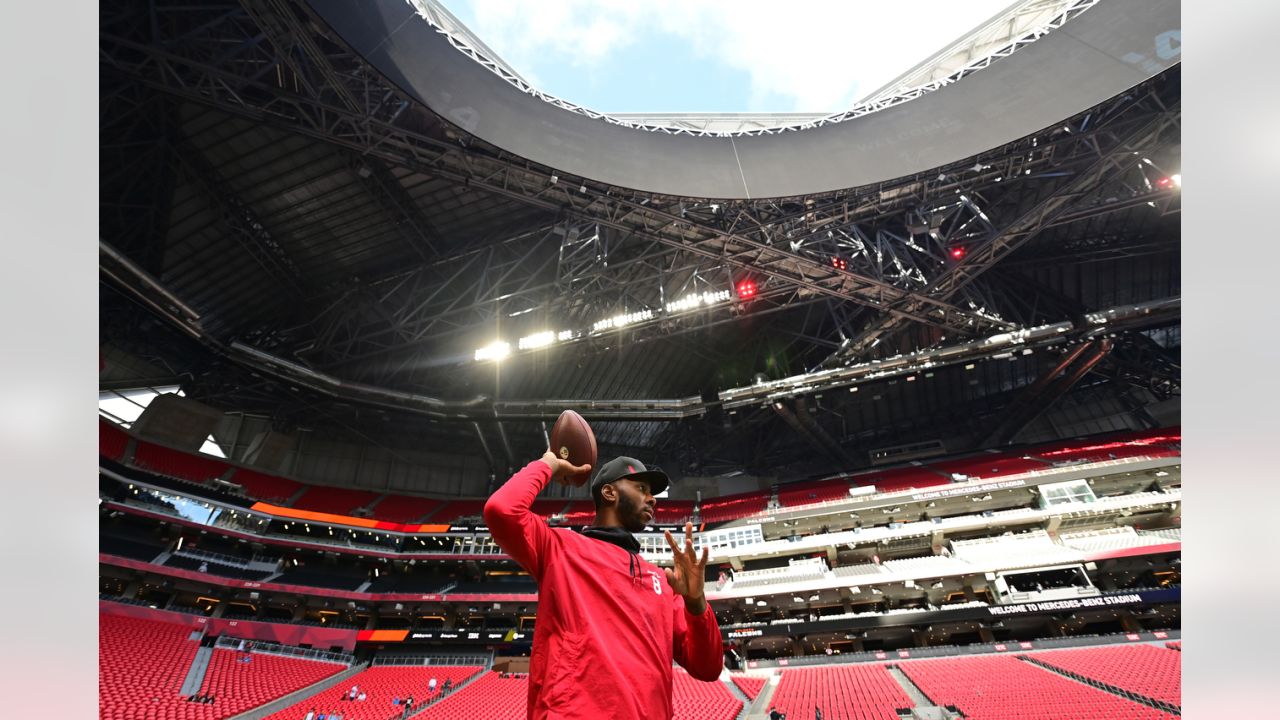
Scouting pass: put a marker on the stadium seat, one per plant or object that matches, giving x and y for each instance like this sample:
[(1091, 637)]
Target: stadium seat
[(1144, 670), (143, 663), (339, 501), (178, 464), (1003, 687), (382, 685), (750, 685), (112, 440), (269, 488), (843, 692)]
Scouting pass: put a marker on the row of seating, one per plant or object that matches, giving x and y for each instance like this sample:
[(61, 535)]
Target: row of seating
[(494, 697), (199, 468), (1144, 670), (386, 689), (750, 685), (242, 681), (848, 692), (142, 665), (1003, 687), (194, 467)]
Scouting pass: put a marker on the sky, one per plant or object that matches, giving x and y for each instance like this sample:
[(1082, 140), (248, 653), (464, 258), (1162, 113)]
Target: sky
[(618, 56)]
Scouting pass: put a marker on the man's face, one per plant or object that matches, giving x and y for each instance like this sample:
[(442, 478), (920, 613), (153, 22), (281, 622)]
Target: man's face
[(635, 504)]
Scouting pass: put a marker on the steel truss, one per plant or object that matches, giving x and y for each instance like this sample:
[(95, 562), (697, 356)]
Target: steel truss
[(882, 249)]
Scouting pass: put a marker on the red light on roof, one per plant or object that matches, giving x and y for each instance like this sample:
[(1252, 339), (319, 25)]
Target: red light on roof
[(1163, 182), (957, 252), (746, 289)]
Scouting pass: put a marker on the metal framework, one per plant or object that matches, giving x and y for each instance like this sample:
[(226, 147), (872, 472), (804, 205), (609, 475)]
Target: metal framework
[(857, 247), (875, 264)]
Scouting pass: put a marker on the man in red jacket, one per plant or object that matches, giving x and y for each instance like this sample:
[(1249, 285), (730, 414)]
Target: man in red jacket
[(609, 622)]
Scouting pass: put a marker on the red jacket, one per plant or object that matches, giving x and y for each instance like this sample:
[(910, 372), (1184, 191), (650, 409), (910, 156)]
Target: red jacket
[(608, 624)]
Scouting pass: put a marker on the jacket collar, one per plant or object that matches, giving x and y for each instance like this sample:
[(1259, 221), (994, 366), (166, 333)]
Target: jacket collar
[(614, 535)]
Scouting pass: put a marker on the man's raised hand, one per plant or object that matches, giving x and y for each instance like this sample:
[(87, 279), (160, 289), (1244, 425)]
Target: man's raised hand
[(562, 470), (688, 578)]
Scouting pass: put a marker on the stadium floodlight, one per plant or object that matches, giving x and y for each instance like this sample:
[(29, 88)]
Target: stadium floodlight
[(619, 321), (536, 340), (1177, 180), (704, 299), (566, 335), (495, 351)]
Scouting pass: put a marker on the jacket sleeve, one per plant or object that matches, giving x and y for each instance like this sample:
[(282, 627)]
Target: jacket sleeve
[(697, 644), (521, 533)]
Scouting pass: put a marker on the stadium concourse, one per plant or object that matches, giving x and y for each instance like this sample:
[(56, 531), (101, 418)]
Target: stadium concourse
[(913, 367)]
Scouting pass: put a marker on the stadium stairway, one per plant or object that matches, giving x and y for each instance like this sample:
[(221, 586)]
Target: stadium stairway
[(1119, 692), (296, 696), (195, 675), (735, 691), (912, 690), (759, 710)]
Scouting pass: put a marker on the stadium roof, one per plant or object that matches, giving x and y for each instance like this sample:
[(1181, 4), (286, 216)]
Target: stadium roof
[(286, 233)]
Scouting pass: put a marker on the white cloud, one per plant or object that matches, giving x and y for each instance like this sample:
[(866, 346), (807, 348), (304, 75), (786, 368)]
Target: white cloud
[(819, 55)]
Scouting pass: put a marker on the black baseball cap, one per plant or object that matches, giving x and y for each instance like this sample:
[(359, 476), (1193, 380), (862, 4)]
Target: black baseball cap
[(621, 468)]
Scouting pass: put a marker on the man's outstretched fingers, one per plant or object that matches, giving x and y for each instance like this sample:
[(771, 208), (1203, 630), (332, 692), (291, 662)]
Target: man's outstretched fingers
[(672, 542)]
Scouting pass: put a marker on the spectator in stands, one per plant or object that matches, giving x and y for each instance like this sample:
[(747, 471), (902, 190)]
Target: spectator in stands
[(431, 686), (448, 684), (774, 714), (361, 697), (607, 642), (311, 715), (817, 713), (204, 567)]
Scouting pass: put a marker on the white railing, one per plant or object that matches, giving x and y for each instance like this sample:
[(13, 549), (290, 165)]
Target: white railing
[(481, 660), (974, 484), (226, 642)]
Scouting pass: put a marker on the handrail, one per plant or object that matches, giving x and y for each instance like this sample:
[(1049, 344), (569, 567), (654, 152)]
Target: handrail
[(1057, 469), (433, 660), (228, 642)]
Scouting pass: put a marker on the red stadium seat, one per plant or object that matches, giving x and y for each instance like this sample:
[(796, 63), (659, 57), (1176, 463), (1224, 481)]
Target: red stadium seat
[(336, 500), (112, 440), (143, 663), (1005, 688), (382, 684), (268, 488), (405, 508), (178, 464), (1144, 670), (750, 685), (843, 692)]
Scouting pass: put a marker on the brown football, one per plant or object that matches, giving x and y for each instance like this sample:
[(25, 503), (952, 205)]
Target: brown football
[(572, 440)]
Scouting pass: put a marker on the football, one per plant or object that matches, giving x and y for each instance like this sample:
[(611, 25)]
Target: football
[(572, 440)]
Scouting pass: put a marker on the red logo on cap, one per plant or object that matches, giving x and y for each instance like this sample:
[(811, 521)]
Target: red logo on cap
[(631, 468)]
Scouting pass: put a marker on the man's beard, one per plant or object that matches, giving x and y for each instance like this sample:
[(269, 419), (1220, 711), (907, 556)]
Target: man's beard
[(632, 513)]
